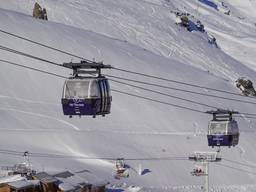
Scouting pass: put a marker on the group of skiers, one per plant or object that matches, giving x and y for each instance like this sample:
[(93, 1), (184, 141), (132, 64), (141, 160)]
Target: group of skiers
[(39, 13), (198, 172), (184, 21)]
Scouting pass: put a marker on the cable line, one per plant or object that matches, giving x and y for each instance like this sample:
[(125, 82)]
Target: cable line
[(246, 115), (182, 90), (43, 45), (239, 163), (158, 101), (31, 68), (132, 72), (174, 105), (28, 55), (168, 95), (63, 156), (180, 98), (111, 89), (235, 168), (146, 98), (179, 82), (54, 63), (49, 155)]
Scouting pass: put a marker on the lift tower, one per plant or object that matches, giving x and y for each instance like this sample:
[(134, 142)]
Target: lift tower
[(202, 160)]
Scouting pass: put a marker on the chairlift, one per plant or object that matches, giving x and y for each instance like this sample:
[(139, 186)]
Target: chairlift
[(86, 94), (121, 169), (199, 171), (223, 129)]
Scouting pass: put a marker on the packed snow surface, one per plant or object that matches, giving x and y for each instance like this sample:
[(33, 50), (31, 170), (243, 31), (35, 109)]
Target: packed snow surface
[(141, 36)]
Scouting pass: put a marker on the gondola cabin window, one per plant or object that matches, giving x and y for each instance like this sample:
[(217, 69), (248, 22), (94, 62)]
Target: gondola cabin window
[(218, 128), (81, 89), (233, 127), (93, 91)]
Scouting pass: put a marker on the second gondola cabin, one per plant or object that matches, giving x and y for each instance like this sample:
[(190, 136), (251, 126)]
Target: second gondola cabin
[(86, 95), (223, 129)]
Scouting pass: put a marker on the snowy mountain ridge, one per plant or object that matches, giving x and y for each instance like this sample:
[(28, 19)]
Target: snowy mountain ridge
[(139, 36)]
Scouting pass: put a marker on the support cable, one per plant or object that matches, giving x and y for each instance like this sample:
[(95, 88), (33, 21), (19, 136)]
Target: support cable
[(130, 94)]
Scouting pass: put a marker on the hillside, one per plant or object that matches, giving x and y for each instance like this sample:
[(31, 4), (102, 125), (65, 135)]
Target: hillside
[(139, 36)]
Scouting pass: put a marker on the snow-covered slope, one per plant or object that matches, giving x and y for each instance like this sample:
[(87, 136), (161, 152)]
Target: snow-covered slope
[(149, 24), (134, 35)]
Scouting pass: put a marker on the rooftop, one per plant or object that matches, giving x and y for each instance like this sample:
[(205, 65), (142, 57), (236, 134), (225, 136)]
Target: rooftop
[(45, 177), (23, 184)]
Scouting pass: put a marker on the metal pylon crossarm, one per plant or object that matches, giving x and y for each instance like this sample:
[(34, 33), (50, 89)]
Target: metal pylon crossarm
[(205, 156), (222, 114), (85, 67)]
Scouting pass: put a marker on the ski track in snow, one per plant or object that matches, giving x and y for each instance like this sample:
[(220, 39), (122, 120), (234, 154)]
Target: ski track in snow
[(119, 132), (242, 152), (174, 133), (77, 153), (185, 188), (28, 101), (42, 115)]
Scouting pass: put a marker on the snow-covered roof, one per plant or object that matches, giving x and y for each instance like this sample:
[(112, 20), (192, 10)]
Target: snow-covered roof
[(11, 178), (73, 180), (92, 178), (23, 184), (80, 178), (69, 181), (66, 187), (64, 174), (45, 177)]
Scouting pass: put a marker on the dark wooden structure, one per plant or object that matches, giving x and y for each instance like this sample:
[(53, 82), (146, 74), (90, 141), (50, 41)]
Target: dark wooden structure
[(48, 182)]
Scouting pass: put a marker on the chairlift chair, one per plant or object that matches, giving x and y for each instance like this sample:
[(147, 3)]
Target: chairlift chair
[(199, 171), (121, 169), (120, 166)]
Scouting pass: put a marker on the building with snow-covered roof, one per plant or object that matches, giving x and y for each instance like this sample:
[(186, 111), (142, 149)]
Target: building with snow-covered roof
[(48, 182), (21, 186), (25, 186), (83, 181)]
